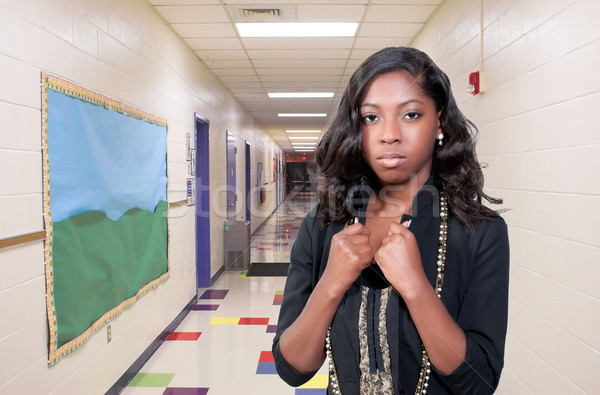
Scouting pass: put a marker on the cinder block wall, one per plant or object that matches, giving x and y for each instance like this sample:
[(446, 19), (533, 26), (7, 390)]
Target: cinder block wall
[(539, 135)]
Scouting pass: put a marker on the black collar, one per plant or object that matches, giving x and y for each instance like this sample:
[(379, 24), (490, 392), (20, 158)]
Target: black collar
[(425, 207)]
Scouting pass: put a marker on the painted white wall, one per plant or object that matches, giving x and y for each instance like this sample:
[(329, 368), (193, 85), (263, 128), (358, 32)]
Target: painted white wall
[(539, 135), (125, 51)]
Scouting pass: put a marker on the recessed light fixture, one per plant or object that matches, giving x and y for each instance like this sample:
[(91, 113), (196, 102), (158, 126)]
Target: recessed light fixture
[(280, 95), (303, 131), (303, 138), (306, 115), (343, 29)]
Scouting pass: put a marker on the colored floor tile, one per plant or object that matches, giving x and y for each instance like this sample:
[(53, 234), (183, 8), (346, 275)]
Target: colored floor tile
[(214, 294), (311, 391), (185, 391), (224, 321), (253, 321), (266, 356), (318, 381), (271, 328), (205, 307), (266, 368), (151, 380), (189, 336)]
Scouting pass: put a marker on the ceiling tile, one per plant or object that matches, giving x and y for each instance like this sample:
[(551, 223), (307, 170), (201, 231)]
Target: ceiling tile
[(299, 53), (305, 63), (299, 71), (301, 78), (298, 43), (389, 29), (236, 78), (330, 13), (249, 91), (294, 86), (198, 44), (203, 30), (228, 64), (244, 84), (362, 53), (354, 63), (288, 2), (220, 54), (220, 72), (379, 43), (193, 13), (252, 96), (399, 13)]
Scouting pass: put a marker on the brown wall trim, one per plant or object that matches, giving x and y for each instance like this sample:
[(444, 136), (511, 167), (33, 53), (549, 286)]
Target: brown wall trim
[(22, 239), (171, 204)]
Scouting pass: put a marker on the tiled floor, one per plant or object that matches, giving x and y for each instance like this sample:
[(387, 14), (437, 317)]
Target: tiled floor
[(272, 242), (223, 346)]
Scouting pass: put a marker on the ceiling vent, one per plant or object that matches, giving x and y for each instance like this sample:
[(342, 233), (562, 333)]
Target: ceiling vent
[(262, 13)]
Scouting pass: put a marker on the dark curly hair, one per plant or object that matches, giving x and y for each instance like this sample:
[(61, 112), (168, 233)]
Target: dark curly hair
[(341, 166)]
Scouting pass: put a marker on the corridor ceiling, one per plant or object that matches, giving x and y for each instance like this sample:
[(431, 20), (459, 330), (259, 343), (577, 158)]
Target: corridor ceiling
[(252, 67)]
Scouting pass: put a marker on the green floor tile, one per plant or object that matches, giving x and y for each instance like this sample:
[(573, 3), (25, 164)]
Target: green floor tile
[(151, 380)]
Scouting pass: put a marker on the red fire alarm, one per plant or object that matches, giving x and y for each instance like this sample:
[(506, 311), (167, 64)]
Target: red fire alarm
[(473, 83), (304, 158)]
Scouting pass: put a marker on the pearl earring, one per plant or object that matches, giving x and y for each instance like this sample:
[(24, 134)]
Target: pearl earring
[(440, 137)]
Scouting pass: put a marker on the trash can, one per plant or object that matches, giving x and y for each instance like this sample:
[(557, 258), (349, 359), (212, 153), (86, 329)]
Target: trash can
[(236, 238)]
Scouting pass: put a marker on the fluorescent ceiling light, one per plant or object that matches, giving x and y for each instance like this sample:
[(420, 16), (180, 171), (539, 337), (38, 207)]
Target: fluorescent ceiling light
[(303, 138), (303, 131), (284, 115), (303, 95), (303, 148), (297, 29)]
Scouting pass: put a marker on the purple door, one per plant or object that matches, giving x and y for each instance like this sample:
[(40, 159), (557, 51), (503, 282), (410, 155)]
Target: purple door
[(202, 208)]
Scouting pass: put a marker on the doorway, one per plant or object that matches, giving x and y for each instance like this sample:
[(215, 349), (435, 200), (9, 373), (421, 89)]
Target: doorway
[(248, 186), (202, 208), (231, 152)]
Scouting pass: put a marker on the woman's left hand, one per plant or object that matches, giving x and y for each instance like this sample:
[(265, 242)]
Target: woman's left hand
[(400, 260)]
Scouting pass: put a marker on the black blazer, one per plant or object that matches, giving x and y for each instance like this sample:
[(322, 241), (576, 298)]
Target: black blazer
[(475, 292)]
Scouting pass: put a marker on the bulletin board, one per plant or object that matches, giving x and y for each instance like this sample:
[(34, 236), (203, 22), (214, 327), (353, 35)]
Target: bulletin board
[(105, 210)]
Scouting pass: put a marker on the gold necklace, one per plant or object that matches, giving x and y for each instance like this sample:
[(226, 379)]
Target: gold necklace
[(423, 382)]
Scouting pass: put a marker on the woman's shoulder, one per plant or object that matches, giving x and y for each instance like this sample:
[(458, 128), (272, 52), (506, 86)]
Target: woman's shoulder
[(486, 232)]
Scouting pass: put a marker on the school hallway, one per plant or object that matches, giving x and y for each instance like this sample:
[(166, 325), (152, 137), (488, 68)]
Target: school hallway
[(223, 346), (136, 132)]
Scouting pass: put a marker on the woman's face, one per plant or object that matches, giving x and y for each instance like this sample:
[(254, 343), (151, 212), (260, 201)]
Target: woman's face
[(399, 128)]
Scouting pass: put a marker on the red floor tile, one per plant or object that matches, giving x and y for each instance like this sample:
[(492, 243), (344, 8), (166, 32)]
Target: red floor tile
[(184, 336), (253, 321), (266, 356)]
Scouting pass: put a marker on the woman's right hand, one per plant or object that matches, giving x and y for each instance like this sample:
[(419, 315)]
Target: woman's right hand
[(349, 255)]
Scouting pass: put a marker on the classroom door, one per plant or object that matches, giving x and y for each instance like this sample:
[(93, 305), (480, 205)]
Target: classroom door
[(202, 208)]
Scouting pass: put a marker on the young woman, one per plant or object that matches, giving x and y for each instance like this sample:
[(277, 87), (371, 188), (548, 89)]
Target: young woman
[(400, 273)]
